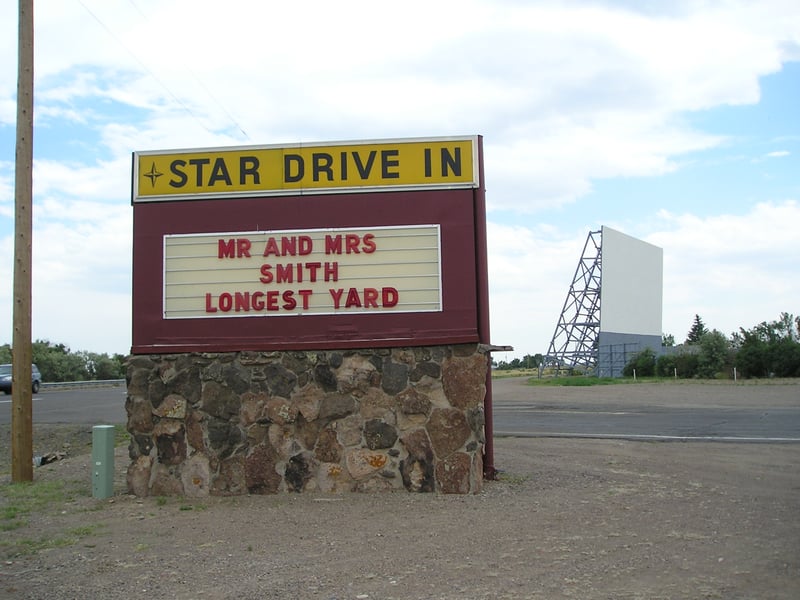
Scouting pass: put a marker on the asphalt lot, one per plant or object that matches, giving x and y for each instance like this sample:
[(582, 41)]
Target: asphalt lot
[(711, 411), (567, 518), (766, 411), (87, 406)]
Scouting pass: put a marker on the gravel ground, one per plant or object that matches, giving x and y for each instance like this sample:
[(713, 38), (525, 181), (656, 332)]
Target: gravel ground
[(567, 519)]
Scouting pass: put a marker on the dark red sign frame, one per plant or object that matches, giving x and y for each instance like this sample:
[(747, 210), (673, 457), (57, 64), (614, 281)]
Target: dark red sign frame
[(463, 318)]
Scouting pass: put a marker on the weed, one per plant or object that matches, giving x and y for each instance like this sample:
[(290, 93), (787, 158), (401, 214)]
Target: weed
[(27, 547), (22, 499), (81, 532), (36, 495), (10, 521), (575, 380), (121, 435), (512, 479), (10, 513)]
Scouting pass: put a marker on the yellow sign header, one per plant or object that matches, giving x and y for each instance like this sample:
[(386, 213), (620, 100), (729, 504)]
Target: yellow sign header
[(307, 168)]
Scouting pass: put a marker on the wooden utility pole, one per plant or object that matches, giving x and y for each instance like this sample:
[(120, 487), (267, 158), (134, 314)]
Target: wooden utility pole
[(22, 394)]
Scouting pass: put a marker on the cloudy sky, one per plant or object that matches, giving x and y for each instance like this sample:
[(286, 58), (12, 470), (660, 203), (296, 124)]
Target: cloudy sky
[(676, 122)]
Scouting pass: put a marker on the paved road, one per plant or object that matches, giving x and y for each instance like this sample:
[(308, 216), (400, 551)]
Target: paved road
[(744, 413), (711, 423), (89, 406), (649, 411)]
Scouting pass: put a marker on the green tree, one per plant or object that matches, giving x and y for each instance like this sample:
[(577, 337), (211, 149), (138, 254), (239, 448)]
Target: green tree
[(644, 363), (714, 354), (686, 363), (668, 340), (532, 362), (105, 367), (697, 331), (57, 363), (665, 365), (770, 349)]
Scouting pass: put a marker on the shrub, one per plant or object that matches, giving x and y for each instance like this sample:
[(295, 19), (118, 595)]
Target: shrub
[(644, 363)]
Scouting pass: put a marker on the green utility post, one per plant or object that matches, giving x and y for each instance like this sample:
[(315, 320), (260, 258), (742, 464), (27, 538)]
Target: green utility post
[(102, 461)]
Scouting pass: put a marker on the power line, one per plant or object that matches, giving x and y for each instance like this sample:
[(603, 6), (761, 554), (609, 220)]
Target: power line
[(141, 63), (199, 81)]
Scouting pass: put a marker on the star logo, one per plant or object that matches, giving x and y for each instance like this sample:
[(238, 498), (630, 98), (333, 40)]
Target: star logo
[(153, 174)]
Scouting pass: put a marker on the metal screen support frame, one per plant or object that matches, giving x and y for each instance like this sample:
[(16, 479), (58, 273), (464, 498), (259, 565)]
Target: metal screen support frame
[(575, 340)]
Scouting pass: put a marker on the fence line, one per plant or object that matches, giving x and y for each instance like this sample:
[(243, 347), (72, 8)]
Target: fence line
[(79, 384)]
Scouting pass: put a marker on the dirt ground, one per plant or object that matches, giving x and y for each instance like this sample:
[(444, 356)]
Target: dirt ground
[(568, 518)]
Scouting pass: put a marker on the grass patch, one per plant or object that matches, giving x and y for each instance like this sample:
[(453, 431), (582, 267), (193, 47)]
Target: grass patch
[(29, 546), (587, 380), (11, 518), (26, 547), (121, 435), (570, 380), (512, 479), (505, 373), (577, 381), (19, 500), (81, 532)]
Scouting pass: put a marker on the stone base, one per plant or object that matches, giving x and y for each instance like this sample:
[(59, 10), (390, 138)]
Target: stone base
[(329, 421)]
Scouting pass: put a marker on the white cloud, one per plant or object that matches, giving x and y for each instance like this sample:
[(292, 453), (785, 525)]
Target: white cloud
[(566, 94), (733, 270)]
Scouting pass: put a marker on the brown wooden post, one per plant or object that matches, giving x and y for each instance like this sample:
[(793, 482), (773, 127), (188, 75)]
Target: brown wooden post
[(22, 400)]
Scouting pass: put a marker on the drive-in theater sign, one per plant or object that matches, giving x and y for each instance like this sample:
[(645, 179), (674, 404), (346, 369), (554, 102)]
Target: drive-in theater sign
[(313, 246), (310, 247)]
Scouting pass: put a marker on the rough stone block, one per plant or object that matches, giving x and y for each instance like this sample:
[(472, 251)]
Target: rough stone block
[(231, 478), (465, 380), (252, 407), (332, 478), (453, 474), (164, 482), (328, 449), (260, 474), (395, 377), (138, 476), (196, 476), (379, 434), (170, 438), (263, 422), (448, 430), (281, 411), (299, 471), (362, 462), (173, 407), (417, 469), (140, 414)]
